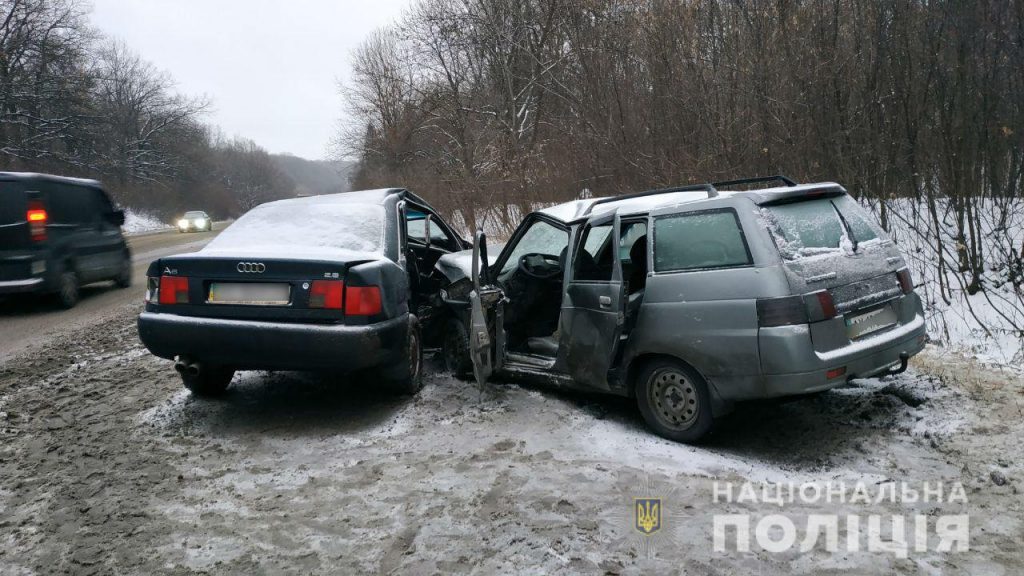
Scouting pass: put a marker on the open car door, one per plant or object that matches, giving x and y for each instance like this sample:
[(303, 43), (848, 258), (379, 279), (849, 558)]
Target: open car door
[(486, 316), (593, 312)]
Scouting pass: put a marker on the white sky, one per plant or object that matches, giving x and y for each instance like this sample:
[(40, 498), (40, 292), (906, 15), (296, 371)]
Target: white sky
[(270, 67)]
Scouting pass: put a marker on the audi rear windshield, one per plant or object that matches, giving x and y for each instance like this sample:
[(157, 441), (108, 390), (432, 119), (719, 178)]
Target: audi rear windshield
[(357, 227)]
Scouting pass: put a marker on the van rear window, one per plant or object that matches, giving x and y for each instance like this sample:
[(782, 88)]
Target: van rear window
[(12, 202), (698, 241), (813, 227)]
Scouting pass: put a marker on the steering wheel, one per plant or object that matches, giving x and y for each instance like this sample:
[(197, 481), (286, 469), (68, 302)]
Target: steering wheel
[(540, 266)]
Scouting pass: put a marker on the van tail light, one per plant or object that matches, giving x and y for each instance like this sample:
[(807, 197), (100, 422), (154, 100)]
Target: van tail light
[(173, 290), (37, 218), (906, 282), (781, 311), (362, 301), (326, 294)]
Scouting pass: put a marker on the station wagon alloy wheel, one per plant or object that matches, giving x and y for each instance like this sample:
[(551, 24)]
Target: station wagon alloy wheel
[(674, 398)]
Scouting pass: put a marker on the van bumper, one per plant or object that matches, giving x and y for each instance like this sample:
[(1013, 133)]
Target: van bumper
[(23, 271), (21, 286), (255, 345)]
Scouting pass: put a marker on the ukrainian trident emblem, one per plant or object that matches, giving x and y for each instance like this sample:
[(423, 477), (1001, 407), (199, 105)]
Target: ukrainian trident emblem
[(647, 515)]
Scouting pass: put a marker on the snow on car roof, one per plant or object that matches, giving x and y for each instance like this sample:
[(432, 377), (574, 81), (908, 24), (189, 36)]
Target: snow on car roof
[(569, 211), (377, 196), (50, 177)]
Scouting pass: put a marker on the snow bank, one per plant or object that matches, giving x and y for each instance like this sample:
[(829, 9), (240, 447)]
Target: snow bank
[(980, 324), (136, 221)]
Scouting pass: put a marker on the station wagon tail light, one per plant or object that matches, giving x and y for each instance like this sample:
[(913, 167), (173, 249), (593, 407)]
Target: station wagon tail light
[(173, 290), (906, 282), (326, 294), (362, 301), (835, 373), (781, 311), (826, 304), (37, 217)]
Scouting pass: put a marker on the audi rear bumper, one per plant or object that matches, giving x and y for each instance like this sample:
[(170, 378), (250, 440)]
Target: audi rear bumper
[(257, 345)]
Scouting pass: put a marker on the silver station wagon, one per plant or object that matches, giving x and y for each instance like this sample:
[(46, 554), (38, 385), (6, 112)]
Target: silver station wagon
[(688, 299)]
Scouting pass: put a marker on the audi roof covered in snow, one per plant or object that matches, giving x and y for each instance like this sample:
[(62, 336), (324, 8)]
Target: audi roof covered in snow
[(691, 298), (328, 283)]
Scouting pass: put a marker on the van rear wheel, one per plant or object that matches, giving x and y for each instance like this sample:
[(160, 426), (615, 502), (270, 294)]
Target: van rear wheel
[(124, 277), (674, 401), (67, 289)]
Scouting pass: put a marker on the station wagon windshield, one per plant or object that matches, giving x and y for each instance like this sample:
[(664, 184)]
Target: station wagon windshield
[(358, 227)]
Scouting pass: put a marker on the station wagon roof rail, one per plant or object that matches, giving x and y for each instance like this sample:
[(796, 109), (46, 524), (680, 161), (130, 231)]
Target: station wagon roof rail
[(709, 188), (757, 180)]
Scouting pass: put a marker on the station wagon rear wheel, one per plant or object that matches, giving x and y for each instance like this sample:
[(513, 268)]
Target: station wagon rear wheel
[(674, 401)]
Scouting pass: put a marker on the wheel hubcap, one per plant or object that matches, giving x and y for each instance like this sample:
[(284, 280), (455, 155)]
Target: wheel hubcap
[(674, 399)]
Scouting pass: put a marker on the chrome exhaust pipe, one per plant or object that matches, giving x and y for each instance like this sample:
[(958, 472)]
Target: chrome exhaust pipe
[(185, 366)]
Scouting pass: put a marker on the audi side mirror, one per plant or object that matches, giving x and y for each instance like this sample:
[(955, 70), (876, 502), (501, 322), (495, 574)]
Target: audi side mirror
[(116, 217)]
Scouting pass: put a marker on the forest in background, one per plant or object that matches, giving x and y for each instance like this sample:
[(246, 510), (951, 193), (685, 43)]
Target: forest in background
[(75, 103), (509, 103)]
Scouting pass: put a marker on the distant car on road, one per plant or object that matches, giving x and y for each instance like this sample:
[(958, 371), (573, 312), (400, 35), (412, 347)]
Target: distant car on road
[(338, 283), (689, 299), (58, 234), (195, 221)]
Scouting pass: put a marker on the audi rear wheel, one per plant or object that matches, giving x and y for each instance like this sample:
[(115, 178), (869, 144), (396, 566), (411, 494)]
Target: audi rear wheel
[(407, 378)]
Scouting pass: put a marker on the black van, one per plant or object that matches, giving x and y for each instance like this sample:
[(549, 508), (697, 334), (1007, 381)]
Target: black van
[(57, 234)]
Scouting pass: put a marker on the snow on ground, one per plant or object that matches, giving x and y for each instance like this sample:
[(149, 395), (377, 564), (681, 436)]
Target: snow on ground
[(137, 221), (980, 324), (110, 466)]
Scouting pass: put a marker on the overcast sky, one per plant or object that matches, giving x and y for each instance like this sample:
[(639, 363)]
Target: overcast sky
[(271, 67)]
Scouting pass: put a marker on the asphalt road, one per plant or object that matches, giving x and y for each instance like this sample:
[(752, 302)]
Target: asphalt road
[(29, 320)]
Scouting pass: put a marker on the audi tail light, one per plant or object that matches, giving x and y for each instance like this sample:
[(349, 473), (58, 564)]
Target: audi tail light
[(37, 218), (326, 294), (173, 290), (362, 300)]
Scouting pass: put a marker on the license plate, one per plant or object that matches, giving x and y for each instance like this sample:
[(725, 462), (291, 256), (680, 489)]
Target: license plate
[(252, 294), (865, 323)]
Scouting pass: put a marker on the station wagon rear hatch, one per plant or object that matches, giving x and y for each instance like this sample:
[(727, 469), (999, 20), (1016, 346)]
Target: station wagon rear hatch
[(827, 242)]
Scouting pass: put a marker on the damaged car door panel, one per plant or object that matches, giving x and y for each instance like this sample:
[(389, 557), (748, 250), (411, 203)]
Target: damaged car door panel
[(690, 299)]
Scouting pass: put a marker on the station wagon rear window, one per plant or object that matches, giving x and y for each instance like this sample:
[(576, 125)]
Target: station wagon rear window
[(358, 227), (698, 241), (813, 227)]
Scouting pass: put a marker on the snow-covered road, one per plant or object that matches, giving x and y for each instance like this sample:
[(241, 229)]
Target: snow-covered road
[(108, 466)]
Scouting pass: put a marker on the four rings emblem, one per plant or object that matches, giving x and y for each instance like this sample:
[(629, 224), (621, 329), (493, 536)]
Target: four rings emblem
[(251, 267)]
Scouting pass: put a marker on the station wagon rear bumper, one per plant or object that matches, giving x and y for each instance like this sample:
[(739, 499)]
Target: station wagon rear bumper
[(862, 359), (255, 345)]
